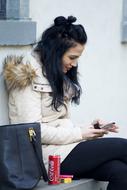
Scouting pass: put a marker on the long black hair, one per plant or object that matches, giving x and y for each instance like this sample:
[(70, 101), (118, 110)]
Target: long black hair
[(55, 41)]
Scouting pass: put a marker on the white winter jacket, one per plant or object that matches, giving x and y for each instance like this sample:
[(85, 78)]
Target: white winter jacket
[(29, 100)]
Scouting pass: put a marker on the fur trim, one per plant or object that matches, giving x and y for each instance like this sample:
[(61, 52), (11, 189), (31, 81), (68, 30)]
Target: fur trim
[(16, 73)]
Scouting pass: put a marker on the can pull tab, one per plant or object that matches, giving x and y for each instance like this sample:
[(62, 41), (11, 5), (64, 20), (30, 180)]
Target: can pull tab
[(32, 134)]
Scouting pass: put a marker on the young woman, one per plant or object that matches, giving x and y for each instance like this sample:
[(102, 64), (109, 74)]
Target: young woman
[(41, 86)]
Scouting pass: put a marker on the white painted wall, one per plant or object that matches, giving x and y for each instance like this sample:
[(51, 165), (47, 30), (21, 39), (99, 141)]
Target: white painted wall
[(103, 64)]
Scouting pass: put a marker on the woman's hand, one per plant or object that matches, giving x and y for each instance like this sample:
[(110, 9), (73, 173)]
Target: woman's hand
[(114, 128), (90, 133)]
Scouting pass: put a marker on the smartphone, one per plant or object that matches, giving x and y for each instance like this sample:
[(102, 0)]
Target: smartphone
[(106, 126)]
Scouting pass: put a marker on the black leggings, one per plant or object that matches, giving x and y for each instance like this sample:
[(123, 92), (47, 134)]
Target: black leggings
[(103, 159)]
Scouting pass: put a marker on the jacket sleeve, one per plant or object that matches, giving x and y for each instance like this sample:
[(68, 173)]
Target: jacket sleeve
[(25, 106), (60, 135)]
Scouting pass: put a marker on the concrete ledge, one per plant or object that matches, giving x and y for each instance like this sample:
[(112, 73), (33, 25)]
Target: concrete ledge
[(124, 32), (17, 32), (83, 184)]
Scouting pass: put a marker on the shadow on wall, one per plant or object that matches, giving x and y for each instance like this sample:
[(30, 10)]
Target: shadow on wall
[(4, 119)]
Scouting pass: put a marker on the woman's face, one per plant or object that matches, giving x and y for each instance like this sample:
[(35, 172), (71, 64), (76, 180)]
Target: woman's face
[(70, 58)]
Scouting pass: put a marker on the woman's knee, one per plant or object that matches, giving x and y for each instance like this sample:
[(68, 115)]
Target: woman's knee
[(118, 171)]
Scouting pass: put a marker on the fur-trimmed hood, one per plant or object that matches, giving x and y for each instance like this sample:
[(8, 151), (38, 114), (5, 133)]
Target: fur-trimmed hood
[(20, 72), (17, 73)]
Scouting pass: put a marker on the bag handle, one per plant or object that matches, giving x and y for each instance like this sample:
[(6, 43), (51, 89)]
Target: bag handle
[(32, 135)]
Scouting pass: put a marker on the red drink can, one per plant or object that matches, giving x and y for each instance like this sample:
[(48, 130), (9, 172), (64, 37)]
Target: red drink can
[(54, 169)]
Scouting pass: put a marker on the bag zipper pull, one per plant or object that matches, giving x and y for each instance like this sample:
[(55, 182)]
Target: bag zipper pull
[(32, 134)]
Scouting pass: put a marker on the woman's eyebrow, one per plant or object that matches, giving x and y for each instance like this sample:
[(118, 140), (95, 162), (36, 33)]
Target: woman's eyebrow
[(74, 56)]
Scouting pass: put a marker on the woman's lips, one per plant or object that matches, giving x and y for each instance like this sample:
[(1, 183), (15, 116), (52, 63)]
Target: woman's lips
[(67, 69)]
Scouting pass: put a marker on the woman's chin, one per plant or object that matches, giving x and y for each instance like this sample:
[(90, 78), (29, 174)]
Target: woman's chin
[(65, 70)]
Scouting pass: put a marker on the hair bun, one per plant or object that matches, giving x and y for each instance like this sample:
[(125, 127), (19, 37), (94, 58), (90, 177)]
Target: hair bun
[(71, 19), (63, 21), (60, 21)]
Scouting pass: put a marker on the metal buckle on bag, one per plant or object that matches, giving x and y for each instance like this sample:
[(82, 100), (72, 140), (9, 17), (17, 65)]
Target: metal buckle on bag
[(32, 134)]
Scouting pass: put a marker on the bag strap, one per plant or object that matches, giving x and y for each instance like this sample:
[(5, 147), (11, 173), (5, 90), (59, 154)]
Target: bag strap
[(40, 161)]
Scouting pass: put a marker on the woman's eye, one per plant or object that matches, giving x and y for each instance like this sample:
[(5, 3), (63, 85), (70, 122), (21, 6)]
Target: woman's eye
[(72, 58)]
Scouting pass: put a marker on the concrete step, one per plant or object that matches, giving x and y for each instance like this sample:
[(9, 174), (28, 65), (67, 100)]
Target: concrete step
[(82, 184)]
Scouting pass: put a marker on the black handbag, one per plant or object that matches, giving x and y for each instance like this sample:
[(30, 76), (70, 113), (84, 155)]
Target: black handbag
[(21, 162)]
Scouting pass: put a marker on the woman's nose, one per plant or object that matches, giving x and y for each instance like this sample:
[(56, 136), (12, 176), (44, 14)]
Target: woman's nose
[(74, 64)]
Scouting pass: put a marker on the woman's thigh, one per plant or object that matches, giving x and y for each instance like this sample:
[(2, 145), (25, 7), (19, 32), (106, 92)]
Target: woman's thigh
[(88, 155)]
